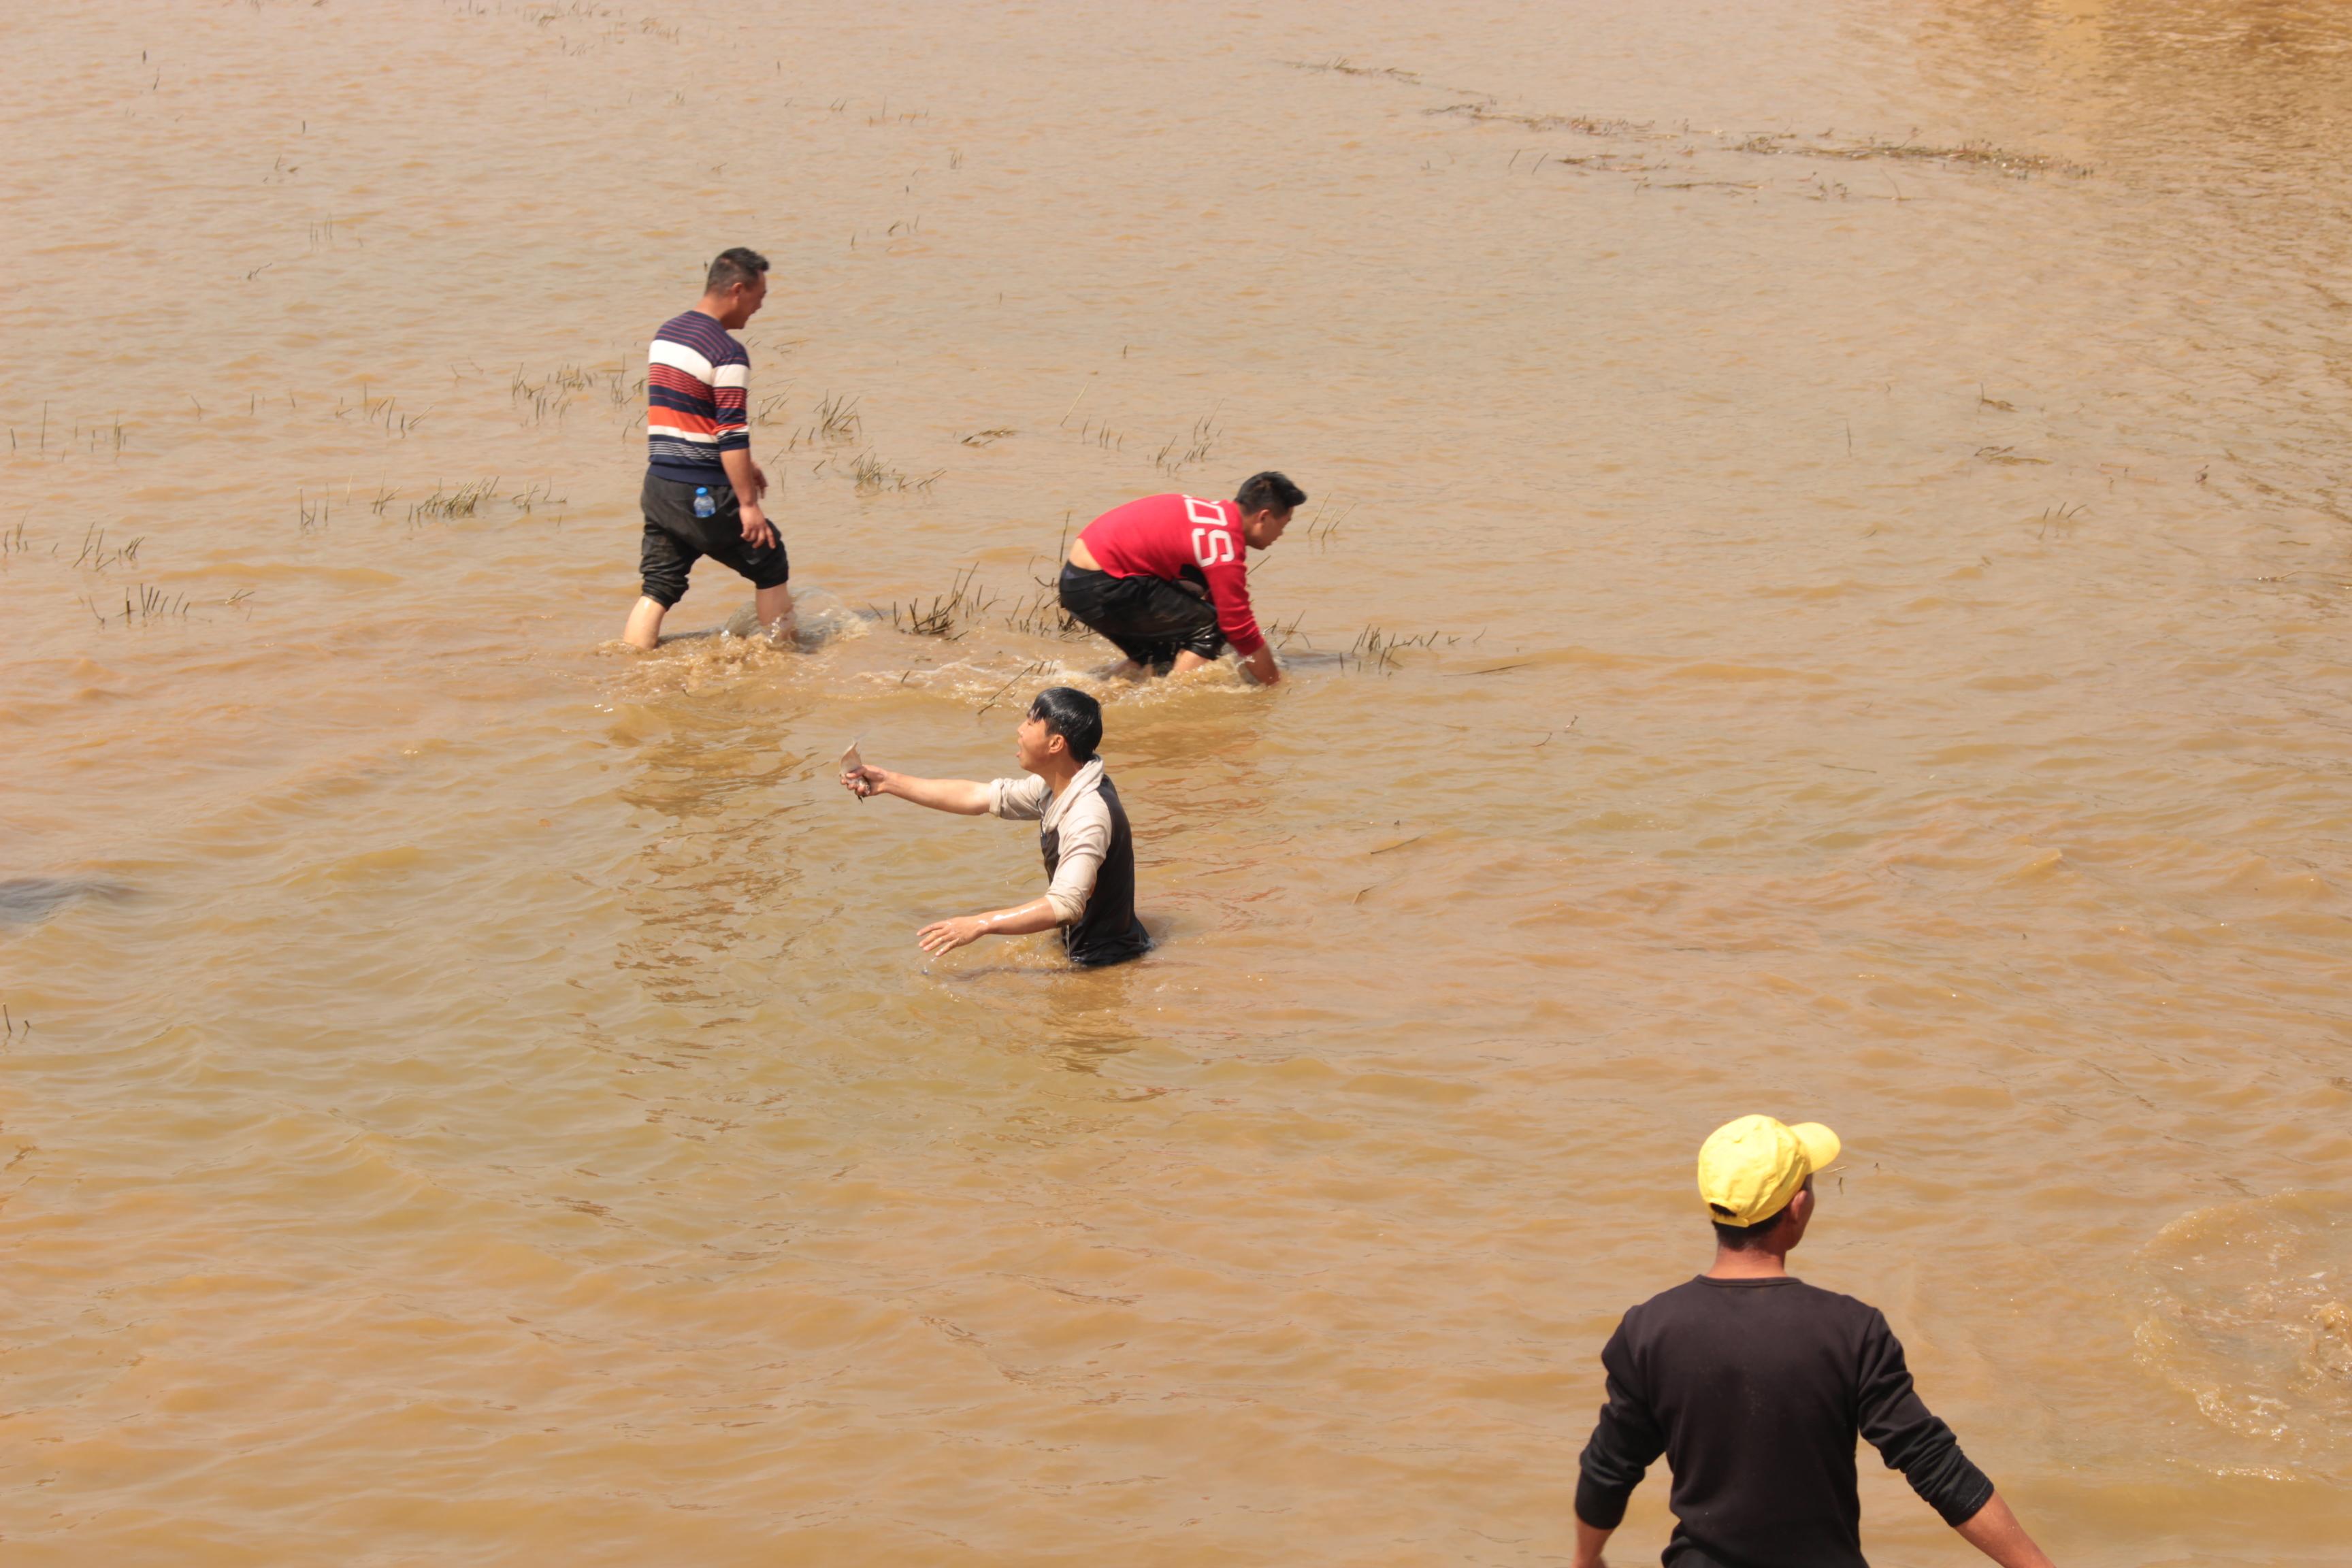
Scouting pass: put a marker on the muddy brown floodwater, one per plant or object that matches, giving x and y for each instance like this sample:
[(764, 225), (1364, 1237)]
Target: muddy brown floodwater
[(1823, 595)]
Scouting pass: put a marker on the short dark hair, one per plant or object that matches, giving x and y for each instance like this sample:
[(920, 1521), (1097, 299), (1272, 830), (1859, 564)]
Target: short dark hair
[(1073, 715), (737, 266), (1268, 492), (1747, 1237)]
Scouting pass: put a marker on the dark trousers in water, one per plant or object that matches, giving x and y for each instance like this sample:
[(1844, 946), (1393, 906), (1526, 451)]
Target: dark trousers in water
[(1150, 619), (675, 539)]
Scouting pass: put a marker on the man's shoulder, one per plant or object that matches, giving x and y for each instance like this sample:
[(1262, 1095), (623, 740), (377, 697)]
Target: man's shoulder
[(1020, 799), (1852, 1311), (1096, 796), (1167, 503), (1200, 509), (1700, 1294), (704, 336), (1668, 1302)]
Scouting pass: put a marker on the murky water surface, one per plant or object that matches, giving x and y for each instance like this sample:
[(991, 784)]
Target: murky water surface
[(1824, 594)]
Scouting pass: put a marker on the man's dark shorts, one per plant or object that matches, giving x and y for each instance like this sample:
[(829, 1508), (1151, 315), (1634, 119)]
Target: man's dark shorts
[(675, 537), (1150, 619)]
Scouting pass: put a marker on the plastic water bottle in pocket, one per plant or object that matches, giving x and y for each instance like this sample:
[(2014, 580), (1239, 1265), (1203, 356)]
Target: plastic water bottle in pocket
[(704, 506)]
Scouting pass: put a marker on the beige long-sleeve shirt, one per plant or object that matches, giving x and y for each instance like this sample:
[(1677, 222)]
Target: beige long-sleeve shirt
[(1081, 815)]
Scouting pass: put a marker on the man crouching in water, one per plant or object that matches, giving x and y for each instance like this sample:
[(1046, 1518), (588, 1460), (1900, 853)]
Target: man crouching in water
[(1090, 854), (1164, 581)]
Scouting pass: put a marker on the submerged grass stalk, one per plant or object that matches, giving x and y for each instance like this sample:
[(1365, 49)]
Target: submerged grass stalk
[(950, 616)]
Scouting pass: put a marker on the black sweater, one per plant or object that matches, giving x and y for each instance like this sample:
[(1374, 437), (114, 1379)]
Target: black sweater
[(1754, 1389)]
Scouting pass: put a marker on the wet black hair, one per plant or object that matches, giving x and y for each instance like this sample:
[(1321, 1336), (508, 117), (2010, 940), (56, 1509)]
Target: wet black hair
[(1747, 1237), (737, 266), (1268, 492), (1073, 715)]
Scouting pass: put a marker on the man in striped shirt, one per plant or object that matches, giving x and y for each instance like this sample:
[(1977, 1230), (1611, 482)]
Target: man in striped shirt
[(702, 489)]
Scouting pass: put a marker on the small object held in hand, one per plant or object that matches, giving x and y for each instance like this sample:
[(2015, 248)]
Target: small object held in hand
[(852, 767)]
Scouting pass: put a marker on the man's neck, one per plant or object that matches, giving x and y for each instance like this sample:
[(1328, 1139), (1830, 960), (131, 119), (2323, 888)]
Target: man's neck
[(714, 308), (1753, 1263), (1058, 772)]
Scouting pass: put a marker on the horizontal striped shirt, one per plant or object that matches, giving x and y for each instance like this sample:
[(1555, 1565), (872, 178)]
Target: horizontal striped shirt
[(696, 381)]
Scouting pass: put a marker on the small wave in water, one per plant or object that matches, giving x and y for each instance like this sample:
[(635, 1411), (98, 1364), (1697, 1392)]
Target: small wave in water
[(27, 901)]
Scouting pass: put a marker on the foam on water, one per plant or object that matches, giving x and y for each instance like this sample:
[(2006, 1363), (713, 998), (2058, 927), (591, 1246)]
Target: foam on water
[(2250, 1312), (819, 617)]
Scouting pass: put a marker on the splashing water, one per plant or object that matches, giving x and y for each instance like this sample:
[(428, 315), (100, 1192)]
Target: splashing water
[(2249, 1313)]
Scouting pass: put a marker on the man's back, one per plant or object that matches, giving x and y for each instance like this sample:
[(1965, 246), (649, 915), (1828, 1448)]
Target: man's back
[(1755, 1390), (697, 381)]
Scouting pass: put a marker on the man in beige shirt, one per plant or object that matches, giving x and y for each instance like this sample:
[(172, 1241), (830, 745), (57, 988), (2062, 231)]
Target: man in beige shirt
[(1082, 833)]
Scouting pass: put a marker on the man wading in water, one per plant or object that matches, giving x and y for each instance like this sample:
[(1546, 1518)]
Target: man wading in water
[(1753, 1385), (702, 489), (1138, 574), (1089, 854)]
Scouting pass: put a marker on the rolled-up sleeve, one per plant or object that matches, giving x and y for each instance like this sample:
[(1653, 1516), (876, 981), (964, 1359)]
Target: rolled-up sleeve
[(1019, 800), (1085, 840), (1626, 1442), (1908, 1438), (731, 396)]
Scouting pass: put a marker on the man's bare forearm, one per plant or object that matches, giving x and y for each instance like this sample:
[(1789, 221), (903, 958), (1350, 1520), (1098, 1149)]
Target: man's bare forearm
[(945, 936), (1589, 1540), (743, 474), (962, 797), (1037, 914), (1261, 665), (1994, 1530)]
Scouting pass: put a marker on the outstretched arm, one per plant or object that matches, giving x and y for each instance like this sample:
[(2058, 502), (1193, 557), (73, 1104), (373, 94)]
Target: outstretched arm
[(1994, 1530), (1261, 665), (962, 797), (946, 936)]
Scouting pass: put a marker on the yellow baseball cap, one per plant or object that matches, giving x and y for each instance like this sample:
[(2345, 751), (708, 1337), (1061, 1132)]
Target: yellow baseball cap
[(1750, 1169)]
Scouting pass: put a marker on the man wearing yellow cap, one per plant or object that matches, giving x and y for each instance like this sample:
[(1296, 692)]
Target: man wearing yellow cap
[(1753, 1385)]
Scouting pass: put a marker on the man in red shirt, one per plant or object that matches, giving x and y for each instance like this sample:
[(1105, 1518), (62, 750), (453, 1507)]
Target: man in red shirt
[(1163, 578)]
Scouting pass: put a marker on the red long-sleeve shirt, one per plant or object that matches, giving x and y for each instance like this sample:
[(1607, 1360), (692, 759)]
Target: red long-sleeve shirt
[(1160, 536)]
